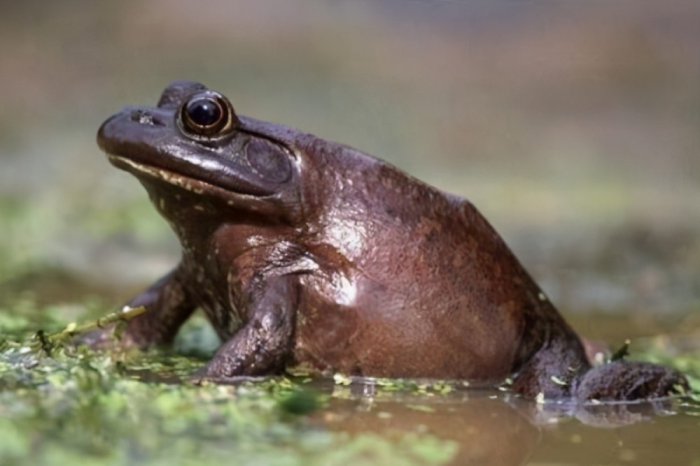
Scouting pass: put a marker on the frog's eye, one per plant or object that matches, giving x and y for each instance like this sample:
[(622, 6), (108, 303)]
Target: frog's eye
[(207, 115)]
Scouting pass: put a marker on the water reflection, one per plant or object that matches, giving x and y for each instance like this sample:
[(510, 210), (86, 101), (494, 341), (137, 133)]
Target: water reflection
[(490, 427), (608, 415), (486, 431)]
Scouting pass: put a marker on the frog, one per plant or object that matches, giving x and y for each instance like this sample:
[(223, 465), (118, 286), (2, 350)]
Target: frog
[(308, 253)]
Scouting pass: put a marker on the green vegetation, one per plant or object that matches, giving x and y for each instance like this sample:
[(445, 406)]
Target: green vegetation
[(35, 231), (688, 363), (62, 404)]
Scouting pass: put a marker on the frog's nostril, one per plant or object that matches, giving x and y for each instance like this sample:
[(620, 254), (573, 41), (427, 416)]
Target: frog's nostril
[(146, 118)]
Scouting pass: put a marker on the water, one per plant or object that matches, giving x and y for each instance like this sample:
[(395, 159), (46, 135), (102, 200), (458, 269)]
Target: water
[(497, 429)]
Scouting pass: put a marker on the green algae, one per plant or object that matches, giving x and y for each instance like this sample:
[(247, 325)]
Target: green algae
[(75, 405), (688, 363)]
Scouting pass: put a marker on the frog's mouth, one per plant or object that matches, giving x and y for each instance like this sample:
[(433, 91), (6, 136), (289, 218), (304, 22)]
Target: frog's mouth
[(263, 205), (192, 185)]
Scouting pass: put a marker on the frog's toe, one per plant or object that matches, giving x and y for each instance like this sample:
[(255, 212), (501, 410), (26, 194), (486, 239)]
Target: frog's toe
[(630, 381)]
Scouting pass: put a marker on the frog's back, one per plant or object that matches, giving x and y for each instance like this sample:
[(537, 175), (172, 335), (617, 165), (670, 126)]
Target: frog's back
[(411, 282)]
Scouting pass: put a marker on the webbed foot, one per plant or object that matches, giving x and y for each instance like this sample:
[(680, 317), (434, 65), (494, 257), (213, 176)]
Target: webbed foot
[(629, 381)]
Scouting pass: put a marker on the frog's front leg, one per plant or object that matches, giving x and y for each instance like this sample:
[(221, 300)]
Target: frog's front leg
[(168, 305), (263, 344)]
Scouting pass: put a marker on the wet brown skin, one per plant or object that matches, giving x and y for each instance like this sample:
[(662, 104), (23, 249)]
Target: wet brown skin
[(307, 252)]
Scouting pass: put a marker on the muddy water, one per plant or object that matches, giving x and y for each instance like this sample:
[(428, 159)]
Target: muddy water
[(490, 428)]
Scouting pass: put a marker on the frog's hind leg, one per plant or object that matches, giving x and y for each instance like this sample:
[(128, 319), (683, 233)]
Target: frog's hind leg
[(628, 381), (560, 369), (552, 371)]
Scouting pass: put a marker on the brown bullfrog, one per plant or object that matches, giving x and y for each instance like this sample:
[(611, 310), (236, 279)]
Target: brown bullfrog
[(307, 252)]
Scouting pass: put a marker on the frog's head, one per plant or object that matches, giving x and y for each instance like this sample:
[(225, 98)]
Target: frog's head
[(193, 146)]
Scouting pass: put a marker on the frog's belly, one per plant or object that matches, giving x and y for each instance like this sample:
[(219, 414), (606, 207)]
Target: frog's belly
[(385, 333)]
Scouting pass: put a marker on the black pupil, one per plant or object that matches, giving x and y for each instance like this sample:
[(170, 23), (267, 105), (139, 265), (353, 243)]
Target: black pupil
[(204, 112)]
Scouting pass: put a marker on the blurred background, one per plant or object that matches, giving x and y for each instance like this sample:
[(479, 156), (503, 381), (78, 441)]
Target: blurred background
[(573, 126)]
